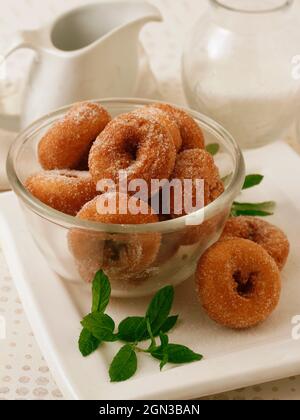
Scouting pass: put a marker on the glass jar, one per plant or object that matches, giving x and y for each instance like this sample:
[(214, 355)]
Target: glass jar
[(241, 67)]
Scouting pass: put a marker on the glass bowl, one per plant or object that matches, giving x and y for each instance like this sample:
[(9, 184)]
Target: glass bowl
[(75, 249)]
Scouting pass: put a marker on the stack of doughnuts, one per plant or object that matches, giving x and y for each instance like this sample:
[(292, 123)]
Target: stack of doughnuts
[(156, 142)]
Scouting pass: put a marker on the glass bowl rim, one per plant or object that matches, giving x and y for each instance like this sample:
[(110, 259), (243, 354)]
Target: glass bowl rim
[(174, 225)]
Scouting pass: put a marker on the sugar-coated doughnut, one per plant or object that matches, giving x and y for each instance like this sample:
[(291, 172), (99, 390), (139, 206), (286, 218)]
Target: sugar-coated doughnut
[(270, 237), (117, 254), (163, 118), (143, 149), (196, 164), (67, 142), (238, 283), (63, 190), (191, 134)]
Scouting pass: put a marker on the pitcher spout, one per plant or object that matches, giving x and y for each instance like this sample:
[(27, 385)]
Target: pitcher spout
[(91, 24)]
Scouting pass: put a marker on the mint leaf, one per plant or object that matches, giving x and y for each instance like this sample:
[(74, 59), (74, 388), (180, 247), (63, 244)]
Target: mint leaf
[(101, 292), (257, 213), (177, 354), (213, 148), (253, 209), (169, 324), (124, 365), (100, 326), (153, 341), (164, 339), (87, 343), (160, 308), (133, 329), (252, 180)]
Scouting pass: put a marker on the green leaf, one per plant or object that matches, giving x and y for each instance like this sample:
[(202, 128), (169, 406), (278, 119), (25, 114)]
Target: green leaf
[(169, 324), (133, 329), (101, 292), (253, 209), (254, 213), (100, 326), (87, 343), (252, 180), (164, 361), (177, 354), (265, 206), (124, 365), (213, 148), (164, 339), (159, 308), (153, 341)]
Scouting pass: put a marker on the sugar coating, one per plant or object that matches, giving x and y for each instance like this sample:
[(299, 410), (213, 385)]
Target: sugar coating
[(165, 119), (238, 283), (191, 134), (68, 141), (197, 164), (142, 148), (118, 253), (270, 237), (63, 190)]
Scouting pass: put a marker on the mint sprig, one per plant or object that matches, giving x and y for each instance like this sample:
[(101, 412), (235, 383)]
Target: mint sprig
[(157, 322)]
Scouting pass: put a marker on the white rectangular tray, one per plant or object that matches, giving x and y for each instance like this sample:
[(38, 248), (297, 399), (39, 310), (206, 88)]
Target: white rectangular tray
[(232, 359)]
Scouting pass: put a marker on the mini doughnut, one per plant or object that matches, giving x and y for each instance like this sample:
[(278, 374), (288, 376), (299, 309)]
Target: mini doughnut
[(238, 283), (163, 118), (271, 238), (197, 164), (117, 254), (67, 142), (142, 148), (65, 191), (191, 134)]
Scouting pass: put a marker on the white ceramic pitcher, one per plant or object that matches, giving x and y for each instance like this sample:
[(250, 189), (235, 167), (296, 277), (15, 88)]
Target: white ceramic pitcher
[(87, 53)]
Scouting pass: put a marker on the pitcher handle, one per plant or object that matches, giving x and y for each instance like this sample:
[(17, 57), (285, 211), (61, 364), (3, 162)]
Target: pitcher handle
[(21, 40)]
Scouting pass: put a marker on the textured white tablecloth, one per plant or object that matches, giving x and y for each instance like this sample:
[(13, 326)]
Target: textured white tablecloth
[(23, 371)]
